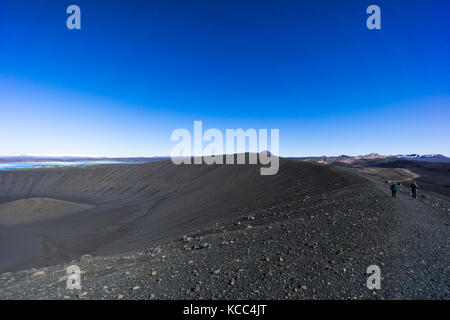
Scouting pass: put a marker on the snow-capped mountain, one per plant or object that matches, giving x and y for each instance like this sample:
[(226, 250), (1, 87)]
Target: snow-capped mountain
[(377, 156), (412, 156), (373, 155)]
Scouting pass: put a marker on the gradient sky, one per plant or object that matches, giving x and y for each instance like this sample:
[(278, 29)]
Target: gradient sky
[(137, 70)]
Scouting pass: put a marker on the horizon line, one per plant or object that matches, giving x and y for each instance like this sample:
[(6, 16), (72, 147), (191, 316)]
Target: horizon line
[(168, 156)]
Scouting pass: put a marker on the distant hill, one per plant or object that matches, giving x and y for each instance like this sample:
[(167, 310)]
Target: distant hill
[(376, 156), (432, 172), (426, 157)]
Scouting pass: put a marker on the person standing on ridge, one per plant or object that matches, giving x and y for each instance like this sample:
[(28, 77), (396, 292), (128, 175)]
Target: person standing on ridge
[(414, 189), (394, 189)]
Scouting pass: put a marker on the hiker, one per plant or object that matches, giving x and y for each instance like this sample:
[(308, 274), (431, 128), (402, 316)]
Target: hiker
[(414, 189), (394, 188)]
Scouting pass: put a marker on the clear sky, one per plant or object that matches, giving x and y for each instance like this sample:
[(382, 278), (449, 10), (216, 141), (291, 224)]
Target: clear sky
[(137, 70)]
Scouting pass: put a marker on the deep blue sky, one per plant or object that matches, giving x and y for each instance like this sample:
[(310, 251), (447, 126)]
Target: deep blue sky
[(137, 70)]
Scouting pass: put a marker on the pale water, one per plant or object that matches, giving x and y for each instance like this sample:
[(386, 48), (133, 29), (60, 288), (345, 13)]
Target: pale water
[(22, 165)]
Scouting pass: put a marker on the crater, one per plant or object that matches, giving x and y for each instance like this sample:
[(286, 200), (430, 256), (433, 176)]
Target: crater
[(31, 210)]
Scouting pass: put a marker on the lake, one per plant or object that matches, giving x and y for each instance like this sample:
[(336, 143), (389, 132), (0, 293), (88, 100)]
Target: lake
[(23, 165)]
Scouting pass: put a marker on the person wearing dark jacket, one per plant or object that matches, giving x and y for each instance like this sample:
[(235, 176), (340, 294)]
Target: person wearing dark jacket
[(414, 189), (394, 189)]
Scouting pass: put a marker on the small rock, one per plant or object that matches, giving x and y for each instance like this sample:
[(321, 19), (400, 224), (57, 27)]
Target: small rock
[(187, 239), (6, 275), (63, 278), (38, 274), (86, 258)]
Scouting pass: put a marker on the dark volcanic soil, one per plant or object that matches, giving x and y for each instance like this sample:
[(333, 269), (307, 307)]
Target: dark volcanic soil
[(132, 206), (225, 232)]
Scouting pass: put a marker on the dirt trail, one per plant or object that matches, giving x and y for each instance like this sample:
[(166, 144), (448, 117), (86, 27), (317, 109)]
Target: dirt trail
[(420, 244)]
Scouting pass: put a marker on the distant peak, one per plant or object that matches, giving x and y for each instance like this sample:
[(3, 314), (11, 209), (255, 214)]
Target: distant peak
[(373, 155)]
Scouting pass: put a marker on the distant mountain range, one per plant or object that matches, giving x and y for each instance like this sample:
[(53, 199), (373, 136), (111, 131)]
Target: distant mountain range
[(322, 159), (425, 157), (413, 156), (377, 156)]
